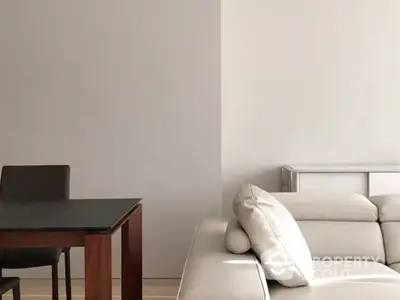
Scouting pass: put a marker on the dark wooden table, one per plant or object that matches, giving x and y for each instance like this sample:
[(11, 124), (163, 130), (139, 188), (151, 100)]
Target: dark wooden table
[(87, 223)]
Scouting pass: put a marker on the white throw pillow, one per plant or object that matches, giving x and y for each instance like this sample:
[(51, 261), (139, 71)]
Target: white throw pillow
[(275, 237), (236, 239)]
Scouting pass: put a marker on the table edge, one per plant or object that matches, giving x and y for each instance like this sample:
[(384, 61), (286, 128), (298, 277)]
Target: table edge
[(88, 230), (122, 220)]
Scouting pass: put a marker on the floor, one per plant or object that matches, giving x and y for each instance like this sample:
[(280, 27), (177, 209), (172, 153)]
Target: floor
[(153, 289)]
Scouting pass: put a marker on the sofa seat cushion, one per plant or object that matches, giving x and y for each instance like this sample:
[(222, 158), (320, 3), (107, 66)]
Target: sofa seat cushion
[(274, 235), (343, 280), (328, 206), (388, 207)]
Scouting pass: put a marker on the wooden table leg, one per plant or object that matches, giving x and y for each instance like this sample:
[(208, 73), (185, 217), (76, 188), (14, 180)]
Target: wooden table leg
[(98, 284), (131, 248)]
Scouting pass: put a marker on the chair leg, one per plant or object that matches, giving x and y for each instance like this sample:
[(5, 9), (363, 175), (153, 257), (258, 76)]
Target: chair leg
[(68, 274), (16, 292), (54, 279), (1, 276)]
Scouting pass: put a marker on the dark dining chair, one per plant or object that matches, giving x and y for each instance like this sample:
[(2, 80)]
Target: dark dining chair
[(36, 183), (10, 283)]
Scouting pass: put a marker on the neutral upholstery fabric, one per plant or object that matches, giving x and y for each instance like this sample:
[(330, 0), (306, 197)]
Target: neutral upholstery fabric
[(388, 207), (344, 239), (275, 236), (327, 206), (345, 231), (395, 267), (327, 270), (236, 239), (391, 237), (345, 281), (213, 273)]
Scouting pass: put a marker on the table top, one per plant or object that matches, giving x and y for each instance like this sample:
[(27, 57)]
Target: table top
[(91, 215)]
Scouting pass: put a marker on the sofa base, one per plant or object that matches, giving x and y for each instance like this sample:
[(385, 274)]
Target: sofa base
[(213, 273)]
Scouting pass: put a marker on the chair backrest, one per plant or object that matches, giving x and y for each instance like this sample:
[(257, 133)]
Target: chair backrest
[(34, 182)]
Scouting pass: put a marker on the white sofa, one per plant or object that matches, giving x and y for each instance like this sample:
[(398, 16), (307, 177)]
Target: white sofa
[(355, 243)]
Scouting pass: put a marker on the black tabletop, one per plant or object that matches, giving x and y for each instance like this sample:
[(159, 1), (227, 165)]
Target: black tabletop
[(64, 215)]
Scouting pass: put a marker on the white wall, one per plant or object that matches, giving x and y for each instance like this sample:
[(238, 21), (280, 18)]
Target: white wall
[(308, 81), (119, 90)]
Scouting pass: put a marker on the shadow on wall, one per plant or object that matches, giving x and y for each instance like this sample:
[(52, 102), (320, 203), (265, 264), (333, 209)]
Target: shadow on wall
[(268, 179)]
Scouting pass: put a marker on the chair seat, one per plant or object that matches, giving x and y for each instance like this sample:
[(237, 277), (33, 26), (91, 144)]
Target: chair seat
[(8, 283), (18, 258)]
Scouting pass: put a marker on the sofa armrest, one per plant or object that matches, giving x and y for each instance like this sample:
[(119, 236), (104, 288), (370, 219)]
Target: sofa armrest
[(212, 273)]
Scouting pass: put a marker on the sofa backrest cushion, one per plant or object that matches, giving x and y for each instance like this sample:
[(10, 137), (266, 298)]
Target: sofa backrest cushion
[(388, 207), (391, 236), (344, 241), (337, 225), (389, 217), (275, 236), (328, 206), (395, 267), (236, 239)]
